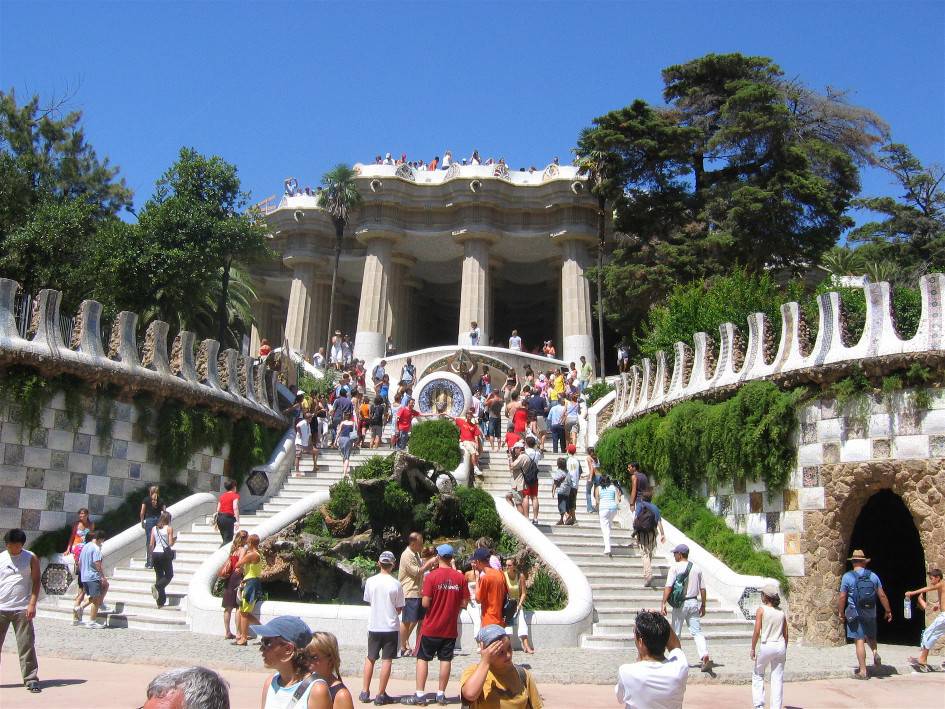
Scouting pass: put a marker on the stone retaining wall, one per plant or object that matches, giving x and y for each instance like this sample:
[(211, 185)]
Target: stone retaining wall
[(46, 478)]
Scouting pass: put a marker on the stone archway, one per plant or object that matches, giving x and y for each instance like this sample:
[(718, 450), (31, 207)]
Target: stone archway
[(827, 533)]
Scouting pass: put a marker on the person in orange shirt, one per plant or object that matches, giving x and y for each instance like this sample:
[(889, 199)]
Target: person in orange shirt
[(491, 589)]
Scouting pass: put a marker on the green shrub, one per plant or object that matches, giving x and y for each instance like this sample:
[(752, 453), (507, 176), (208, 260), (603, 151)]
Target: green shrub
[(437, 441), (546, 592), (112, 522), (596, 391), (748, 436), (691, 516), (906, 302), (319, 387), (251, 444), (375, 468), (478, 508), (343, 498)]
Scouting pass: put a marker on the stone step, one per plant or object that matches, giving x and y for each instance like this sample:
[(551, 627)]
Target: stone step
[(626, 642), (710, 625), (627, 611), (161, 619), (145, 577)]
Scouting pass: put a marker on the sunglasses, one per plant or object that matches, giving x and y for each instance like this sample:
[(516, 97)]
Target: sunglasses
[(269, 642)]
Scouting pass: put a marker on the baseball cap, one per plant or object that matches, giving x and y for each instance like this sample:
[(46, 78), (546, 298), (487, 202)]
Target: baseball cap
[(300, 391), (445, 550), (387, 557), (680, 549), (481, 555), (288, 627), (572, 448), (490, 634), (518, 444), (770, 590)]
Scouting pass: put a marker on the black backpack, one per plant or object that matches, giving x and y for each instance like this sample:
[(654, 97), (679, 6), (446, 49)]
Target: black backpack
[(645, 520), (530, 471), (864, 591)]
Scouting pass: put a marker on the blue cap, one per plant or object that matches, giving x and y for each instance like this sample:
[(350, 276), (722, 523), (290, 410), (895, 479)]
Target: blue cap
[(288, 627), (490, 634), (445, 550), (481, 555), (681, 549)]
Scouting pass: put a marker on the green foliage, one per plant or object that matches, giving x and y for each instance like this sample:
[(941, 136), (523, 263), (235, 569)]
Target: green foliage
[(596, 390), (743, 166), (314, 523), (181, 432), (345, 497), (907, 309), (113, 521), (29, 393), (702, 306), (747, 437), (436, 441), (546, 592), (251, 444), (691, 516), (319, 386), (478, 508), (375, 468), (367, 567)]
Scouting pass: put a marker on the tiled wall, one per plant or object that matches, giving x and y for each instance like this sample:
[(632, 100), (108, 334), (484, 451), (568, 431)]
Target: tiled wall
[(886, 429), (45, 479)]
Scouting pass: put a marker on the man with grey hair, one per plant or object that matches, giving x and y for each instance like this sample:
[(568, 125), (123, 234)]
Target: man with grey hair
[(188, 688)]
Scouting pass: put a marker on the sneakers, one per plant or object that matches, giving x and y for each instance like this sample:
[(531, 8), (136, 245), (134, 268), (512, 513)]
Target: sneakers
[(33, 686), (382, 699), (441, 699), (364, 697), (95, 625), (76, 615), (413, 700)]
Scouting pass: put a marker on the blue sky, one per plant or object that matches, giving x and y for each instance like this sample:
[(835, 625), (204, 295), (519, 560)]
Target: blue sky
[(292, 88)]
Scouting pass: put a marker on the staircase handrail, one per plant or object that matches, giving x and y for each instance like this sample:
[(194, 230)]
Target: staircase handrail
[(576, 618), (593, 412), (276, 469)]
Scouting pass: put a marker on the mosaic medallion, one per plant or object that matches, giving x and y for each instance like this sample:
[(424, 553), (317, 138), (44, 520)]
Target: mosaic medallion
[(258, 482), (56, 579)]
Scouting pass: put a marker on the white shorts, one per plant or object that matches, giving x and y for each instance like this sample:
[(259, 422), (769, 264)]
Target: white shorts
[(932, 633)]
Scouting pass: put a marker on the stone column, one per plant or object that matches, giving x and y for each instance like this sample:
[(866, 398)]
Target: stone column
[(474, 290), (299, 330), (398, 307), (262, 324), (371, 335), (320, 309), (577, 335)]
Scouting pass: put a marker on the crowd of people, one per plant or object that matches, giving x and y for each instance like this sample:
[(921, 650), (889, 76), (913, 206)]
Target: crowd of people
[(447, 161)]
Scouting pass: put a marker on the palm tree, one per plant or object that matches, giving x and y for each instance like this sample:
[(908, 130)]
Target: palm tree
[(338, 197), (602, 168)]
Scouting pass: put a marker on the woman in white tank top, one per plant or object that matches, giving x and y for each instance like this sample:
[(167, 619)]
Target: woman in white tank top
[(771, 630)]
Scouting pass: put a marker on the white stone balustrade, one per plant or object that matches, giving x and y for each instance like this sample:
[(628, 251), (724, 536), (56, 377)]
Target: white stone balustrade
[(225, 381), (707, 367)]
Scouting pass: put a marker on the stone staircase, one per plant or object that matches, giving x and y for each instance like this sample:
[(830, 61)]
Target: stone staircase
[(129, 597), (616, 583)]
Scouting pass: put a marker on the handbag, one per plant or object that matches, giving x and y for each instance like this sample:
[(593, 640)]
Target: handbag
[(226, 570), (509, 609), (213, 521)]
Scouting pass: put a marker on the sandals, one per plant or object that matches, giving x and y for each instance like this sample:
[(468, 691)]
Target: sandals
[(857, 675), (239, 644)]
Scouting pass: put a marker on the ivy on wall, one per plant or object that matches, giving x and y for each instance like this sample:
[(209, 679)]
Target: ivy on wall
[(28, 393), (747, 437)]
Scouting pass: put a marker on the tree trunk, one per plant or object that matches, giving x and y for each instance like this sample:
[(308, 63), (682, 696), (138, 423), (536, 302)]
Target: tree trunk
[(601, 237), (222, 319), (339, 233)]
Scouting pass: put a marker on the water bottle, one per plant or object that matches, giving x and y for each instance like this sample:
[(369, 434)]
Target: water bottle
[(907, 608)]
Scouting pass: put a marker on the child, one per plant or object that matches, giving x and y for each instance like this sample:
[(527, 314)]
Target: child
[(937, 627), (561, 485)]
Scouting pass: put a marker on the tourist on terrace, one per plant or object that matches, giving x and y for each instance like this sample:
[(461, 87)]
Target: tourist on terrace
[(388, 160), (470, 439), (511, 383), (19, 592), (324, 660), (475, 334), (336, 353), (485, 381), (771, 629), (445, 594), (291, 186), (548, 349), (515, 342), (860, 592), (623, 357), (384, 594), (283, 642), (496, 682), (151, 508), (447, 160), (264, 349), (346, 351), (687, 598), (434, 163), (405, 416), (475, 159), (390, 349), (408, 374), (655, 680)]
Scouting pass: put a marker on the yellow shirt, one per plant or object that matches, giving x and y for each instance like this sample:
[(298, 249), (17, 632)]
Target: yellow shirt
[(411, 580), (513, 587), (495, 696), (252, 570)]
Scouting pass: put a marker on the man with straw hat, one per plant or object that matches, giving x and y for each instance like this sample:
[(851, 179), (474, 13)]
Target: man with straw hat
[(860, 591)]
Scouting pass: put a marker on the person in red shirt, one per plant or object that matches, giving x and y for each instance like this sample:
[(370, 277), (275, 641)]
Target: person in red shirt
[(228, 511), (264, 349), (491, 589), (445, 594), (405, 417), (469, 436)]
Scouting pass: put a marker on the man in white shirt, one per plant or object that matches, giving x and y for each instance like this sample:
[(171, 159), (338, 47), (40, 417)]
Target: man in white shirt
[(475, 334), (19, 590), (318, 359), (690, 607), (386, 596), (515, 342), (657, 680)]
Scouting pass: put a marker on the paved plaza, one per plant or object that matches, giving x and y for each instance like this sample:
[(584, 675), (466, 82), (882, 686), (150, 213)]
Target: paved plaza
[(567, 677)]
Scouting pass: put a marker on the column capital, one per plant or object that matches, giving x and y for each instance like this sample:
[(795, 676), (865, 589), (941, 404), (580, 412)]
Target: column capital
[(464, 235), (297, 259), (365, 235), (402, 259), (564, 236)]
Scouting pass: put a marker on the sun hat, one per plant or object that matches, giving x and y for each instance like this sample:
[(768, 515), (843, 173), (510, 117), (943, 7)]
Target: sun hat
[(445, 550), (288, 627), (858, 555), (681, 549), (490, 634), (387, 557)]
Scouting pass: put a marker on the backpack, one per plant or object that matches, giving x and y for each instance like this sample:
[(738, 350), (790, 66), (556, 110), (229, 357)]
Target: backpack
[(678, 595), (645, 521), (864, 591), (530, 471), (564, 487)]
